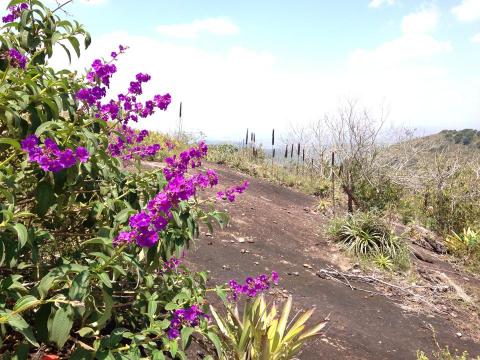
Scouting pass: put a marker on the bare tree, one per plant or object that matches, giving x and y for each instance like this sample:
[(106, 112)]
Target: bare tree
[(354, 136)]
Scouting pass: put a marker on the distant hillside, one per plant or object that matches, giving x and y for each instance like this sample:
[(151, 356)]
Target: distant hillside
[(463, 142), (446, 150), (467, 137)]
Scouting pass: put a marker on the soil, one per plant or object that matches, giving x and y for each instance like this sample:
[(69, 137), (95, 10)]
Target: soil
[(276, 228)]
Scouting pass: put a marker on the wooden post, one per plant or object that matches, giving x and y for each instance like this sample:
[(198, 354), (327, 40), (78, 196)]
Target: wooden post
[(273, 146), (333, 182)]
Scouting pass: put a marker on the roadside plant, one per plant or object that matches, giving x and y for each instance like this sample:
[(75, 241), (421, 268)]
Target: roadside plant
[(91, 242), (262, 331), (369, 236)]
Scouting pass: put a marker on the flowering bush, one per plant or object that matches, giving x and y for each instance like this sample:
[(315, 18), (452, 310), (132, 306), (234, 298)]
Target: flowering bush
[(90, 252)]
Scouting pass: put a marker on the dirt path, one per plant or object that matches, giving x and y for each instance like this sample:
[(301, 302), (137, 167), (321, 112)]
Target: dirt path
[(273, 228)]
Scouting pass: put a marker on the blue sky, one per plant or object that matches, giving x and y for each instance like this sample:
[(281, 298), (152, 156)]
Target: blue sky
[(274, 63)]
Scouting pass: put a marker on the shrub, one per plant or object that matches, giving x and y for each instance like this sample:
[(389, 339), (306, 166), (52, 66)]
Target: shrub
[(465, 245), (261, 334), (368, 235), (377, 196)]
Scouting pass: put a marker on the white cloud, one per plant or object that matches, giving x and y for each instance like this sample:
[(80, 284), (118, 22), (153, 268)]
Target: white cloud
[(467, 10), (224, 92), (421, 22), (217, 26), (415, 43), (379, 3), (476, 38)]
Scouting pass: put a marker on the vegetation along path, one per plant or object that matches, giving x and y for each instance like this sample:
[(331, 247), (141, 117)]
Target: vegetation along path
[(275, 228)]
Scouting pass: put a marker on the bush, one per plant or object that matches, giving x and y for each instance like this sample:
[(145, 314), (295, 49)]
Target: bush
[(378, 197), (465, 245), (369, 236), (91, 243)]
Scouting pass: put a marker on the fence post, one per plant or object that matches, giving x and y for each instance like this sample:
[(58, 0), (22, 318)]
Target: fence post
[(333, 182)]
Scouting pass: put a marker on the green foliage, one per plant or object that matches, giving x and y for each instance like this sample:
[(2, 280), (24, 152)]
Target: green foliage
[(465, 245), (377, 197), (369, 236), (287, 173), (262, 332), (62, 282)]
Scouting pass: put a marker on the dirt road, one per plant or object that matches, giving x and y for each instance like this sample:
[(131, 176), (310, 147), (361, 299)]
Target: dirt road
[(274, 228)]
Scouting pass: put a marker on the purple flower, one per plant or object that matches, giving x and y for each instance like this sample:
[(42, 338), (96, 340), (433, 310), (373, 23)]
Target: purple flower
[(82, 154), (252, 286), (124, 237), (29, 143), (16, 59), (147, 238), (49, 156), (230, 194), (189, 317), (143, 77), (162, 101), (15, 12), (139, 220)]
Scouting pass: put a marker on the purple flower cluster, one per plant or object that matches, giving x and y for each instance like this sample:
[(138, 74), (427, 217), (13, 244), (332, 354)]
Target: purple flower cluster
[(126, 107), (177, 166), (14, 12), (50, 157), (16, 59), (127, 144), (231, 193), (189, 317), (146, 224), (170, 265), (100, 74), (253, 286)]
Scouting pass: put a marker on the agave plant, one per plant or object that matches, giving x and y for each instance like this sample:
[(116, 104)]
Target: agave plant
[(364, 234), (464, 242), (260, 334)]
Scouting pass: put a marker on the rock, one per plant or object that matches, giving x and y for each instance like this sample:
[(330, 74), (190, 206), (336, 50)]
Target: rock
[(306, 266), (356, 271), (251, 241), (244, 251), (274, 221), (356, 266), (208, 234), (241, 240), (459, 334), (256, 262), (225, 267), (294, 273)]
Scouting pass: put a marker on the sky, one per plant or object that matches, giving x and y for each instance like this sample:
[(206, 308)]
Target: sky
[(268, 64)]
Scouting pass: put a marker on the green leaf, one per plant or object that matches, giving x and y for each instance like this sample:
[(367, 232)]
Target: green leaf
[(105, 279), (79, 289), (25, 302), (62, 323), (158, 355), (22, 234), (19, 324), (185, 334), (85, 331), (216, 342), (68, 52), (124, 215), (44, 197), (14, 143), (75, 44), (98, 241)]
